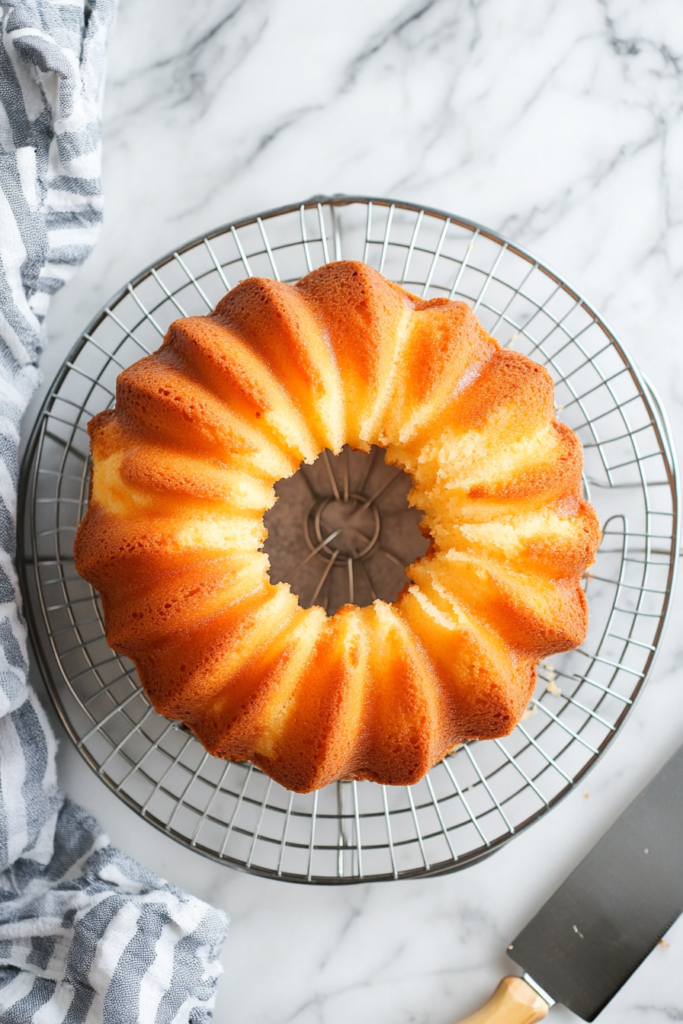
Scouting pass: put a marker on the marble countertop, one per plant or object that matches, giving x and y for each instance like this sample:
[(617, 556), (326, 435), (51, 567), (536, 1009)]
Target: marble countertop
[(559, 124)]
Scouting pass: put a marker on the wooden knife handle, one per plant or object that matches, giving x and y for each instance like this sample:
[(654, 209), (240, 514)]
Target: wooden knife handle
[(513, 1002)]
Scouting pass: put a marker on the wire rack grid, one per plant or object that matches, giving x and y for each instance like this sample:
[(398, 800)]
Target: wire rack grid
[(486, 792)]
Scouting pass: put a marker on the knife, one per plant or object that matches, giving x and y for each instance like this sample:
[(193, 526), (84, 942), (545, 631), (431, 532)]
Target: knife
[(602, 922)]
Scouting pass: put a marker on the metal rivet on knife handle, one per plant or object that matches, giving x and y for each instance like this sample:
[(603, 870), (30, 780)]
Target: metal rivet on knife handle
[(513, 1002)]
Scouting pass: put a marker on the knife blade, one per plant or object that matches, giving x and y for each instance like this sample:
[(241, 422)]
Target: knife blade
[(602, 922)]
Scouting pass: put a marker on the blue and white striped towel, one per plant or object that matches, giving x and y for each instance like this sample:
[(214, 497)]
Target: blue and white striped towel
[(86, 934)]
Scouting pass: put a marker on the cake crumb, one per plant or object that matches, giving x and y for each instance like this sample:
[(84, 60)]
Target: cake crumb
[(551, 676), (529, 712), (586, 796), (663, 944)]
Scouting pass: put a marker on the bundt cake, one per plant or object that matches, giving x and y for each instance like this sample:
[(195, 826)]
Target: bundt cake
[(183, 471)]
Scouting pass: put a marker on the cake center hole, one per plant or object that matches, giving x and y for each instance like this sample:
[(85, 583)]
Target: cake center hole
[(342, 532)]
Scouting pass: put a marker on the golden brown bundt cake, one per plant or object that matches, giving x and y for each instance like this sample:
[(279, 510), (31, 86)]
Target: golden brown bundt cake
[(183, 471)]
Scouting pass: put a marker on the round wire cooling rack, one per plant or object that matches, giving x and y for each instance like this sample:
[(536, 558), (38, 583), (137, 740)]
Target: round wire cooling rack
[(485, 792)]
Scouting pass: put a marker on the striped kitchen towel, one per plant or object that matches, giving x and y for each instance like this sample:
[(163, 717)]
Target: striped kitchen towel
[(86, 934)]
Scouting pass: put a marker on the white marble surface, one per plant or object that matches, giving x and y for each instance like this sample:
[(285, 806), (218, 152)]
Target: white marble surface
[(560, 124)]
